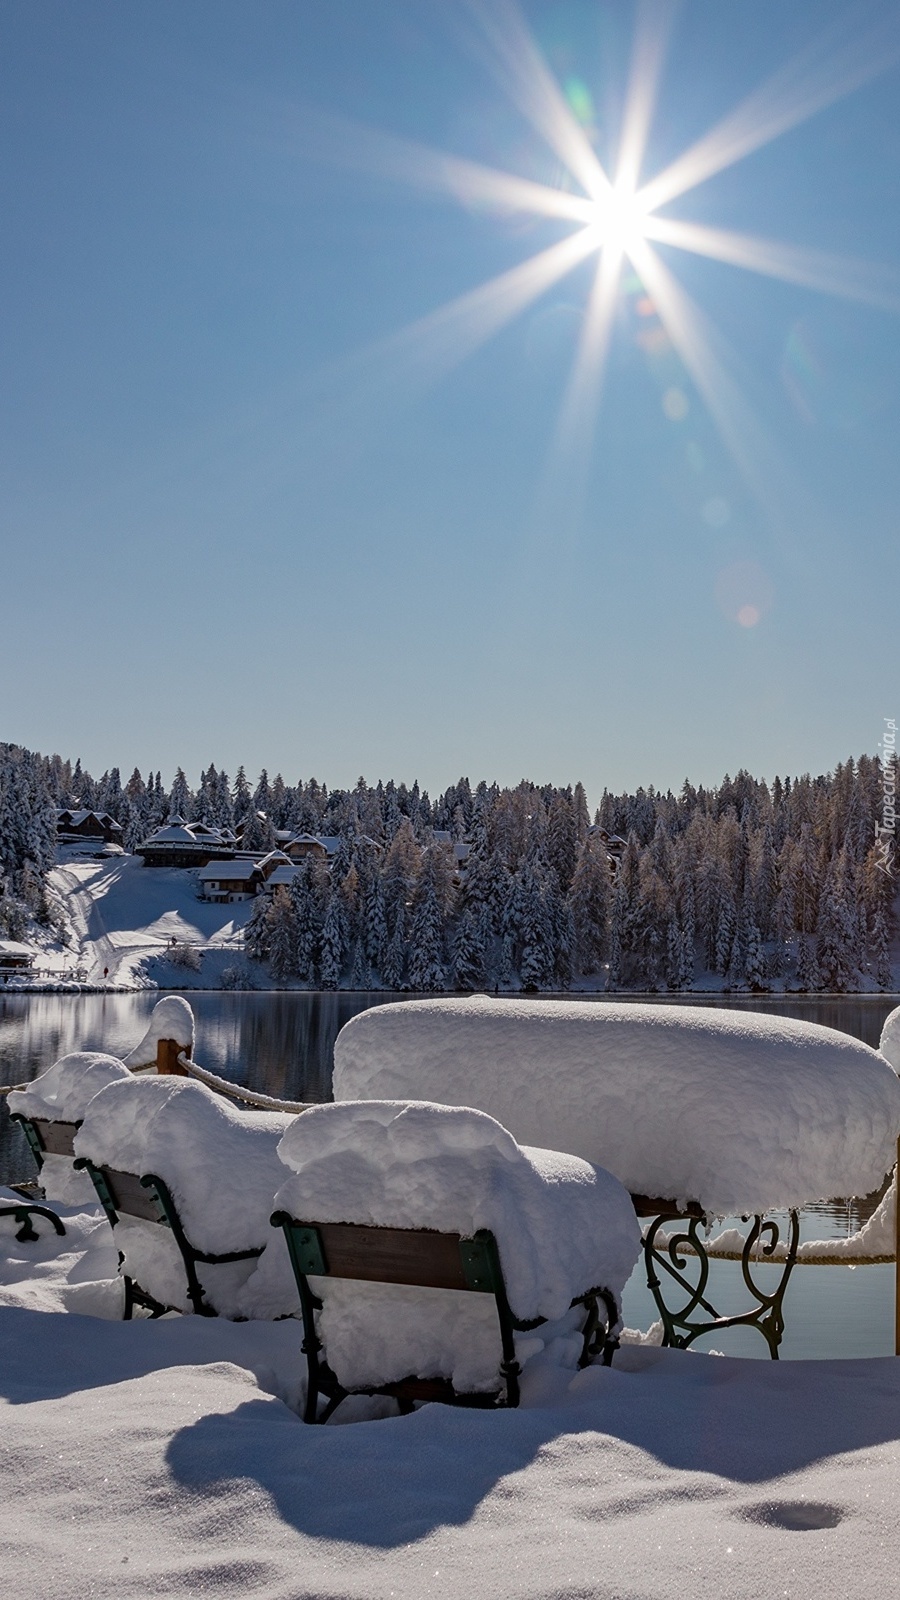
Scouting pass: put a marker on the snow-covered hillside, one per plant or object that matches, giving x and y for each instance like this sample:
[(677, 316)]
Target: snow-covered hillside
[(125, 920)]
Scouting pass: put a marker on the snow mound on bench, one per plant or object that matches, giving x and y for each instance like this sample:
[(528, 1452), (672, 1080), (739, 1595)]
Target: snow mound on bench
[(739, 1111), (64, 1091), (171, 1018), (562, 1227), (890, 1039), (62, 1094), (220, 1163)]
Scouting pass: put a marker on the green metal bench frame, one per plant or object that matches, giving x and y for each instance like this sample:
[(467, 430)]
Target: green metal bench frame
[(52, 1138), (149, 1198), (687, 1323), (423, 1259)]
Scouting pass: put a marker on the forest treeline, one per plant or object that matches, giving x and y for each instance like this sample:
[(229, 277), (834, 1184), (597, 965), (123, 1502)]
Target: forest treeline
[(755, 883)]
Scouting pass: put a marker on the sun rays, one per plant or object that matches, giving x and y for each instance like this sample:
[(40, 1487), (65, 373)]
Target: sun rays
[(615, 216)]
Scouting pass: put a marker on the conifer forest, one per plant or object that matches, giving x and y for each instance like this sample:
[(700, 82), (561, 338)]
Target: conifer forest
[(753, 884)]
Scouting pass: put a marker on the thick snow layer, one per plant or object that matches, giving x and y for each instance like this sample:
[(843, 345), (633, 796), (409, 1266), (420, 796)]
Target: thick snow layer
[(739, 1111), (171, 1018), (62, 1094), (221, 1165), (64, 1091), (157, 1459), (562, 1227), (874, 1241), (75, 1272), (890, 1039)]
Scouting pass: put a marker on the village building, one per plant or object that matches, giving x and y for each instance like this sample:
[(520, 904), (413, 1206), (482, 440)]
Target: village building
[(243, 877), (230, 880), (14, 958), (92, 827), (186, 844), (303, 845)]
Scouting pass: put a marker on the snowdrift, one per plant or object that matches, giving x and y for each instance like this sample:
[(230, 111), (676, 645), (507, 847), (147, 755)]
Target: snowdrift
[(739, 1111), (562, 1225)]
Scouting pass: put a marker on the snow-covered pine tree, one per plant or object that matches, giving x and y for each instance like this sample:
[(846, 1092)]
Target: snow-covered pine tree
[(393, 966), (282, 926), (427, 970), (562, 841), (755, 971), (360, 975), (880, 954), (180, 797), (258, 835), (835, 932), (590, 898), (469, 951), (242, 799), (256, 929), (334, 942), (307, 897)]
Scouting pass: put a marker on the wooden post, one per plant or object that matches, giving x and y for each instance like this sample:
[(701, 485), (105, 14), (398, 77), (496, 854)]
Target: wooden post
[(167, 1063), (897, 1253)]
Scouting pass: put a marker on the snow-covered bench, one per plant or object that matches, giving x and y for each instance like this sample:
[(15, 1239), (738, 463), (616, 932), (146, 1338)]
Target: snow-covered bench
[(439, 1200), (50, 1112), (700, 1112), (187, 1180)]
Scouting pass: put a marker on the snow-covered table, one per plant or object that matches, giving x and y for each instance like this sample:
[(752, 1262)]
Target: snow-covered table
[(700, 1112)]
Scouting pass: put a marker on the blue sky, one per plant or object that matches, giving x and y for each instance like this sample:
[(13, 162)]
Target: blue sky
[(242, 521)]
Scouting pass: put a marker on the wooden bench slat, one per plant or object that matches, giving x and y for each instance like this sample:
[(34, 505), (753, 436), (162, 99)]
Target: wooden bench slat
[(129, 1196), (648, 1206), (392, 1255), (56, 1138)]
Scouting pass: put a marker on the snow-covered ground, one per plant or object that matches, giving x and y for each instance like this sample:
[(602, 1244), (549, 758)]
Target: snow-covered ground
[(167, 1458), (123, 916)]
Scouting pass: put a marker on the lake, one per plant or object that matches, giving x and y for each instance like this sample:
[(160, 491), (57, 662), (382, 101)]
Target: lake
[(282, 1043)]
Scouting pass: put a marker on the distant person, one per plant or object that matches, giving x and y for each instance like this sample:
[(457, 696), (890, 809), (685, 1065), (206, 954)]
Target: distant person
[(106, 972)]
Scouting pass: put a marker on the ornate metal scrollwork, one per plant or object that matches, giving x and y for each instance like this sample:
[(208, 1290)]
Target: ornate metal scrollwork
[(672, 1254)]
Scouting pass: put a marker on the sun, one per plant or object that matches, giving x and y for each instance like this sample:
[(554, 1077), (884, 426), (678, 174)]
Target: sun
[(616, 218), (620, 220)]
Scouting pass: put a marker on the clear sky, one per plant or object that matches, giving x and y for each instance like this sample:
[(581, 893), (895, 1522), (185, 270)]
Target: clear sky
[(245, 517)]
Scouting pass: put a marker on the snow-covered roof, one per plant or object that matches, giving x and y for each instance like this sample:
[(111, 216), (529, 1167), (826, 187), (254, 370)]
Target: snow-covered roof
[(12, 947), (277, 856), (178, 832), (76, 818), (739, 1111), (228, 871), (284, 875)]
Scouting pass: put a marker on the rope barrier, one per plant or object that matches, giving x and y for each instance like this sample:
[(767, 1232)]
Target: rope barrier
[(265, 1102)]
